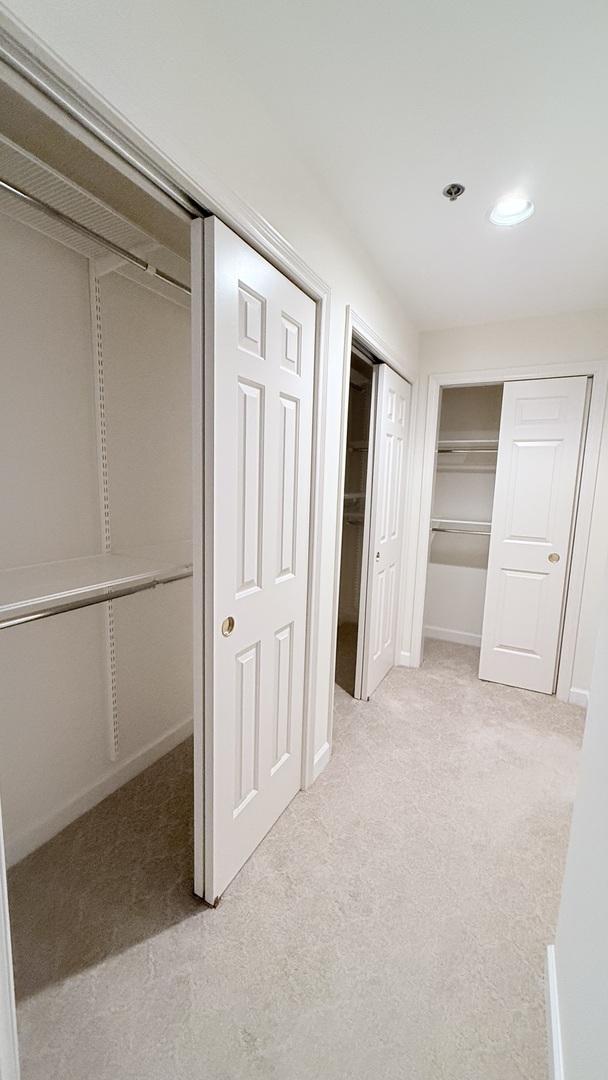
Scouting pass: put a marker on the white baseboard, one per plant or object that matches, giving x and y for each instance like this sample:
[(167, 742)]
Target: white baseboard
[(321, 759), (578, 697), (460, 637), (21, 845), (554, 1033)]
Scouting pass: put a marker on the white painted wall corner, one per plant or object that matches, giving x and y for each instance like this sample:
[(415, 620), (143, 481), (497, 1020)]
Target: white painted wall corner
[(578, 697), (554, 1034)]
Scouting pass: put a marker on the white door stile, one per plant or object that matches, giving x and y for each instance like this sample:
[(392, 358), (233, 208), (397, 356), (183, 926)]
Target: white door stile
[(537, 473), (573, 527), (367, 526), (202, 419), (392, 416), (258, 390), (9, 1048)]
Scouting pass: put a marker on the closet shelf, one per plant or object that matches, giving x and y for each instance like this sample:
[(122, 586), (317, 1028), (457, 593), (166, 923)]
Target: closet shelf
[(467, 528), (466, 455), (352, 496), (467, 446), (30, 593)]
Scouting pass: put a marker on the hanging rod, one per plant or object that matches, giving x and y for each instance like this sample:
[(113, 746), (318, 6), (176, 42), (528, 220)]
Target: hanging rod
[(127, 256), (463, 532), (472, 450), (108, 592)]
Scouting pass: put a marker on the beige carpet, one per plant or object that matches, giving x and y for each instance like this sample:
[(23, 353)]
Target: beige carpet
[(391, 927)]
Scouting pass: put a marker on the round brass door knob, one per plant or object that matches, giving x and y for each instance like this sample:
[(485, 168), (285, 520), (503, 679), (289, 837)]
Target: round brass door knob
[(553, 557), (227, 626)]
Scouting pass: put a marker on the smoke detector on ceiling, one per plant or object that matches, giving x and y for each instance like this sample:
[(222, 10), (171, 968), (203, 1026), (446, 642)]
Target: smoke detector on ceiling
[(453, 191)]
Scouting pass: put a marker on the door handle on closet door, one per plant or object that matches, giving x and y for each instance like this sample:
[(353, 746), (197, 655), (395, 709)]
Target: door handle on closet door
[(553, 557)]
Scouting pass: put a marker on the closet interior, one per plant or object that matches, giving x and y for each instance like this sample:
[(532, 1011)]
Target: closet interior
[(96, 479), (356, 502), (463, 496)]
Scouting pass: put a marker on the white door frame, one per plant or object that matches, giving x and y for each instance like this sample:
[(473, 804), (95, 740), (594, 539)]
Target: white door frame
[(357, 329), (598, 370), (9, 1050)]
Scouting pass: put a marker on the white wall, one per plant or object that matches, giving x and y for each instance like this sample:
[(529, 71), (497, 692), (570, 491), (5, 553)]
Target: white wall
[(171, 79), (147, 366), (564, 338), (582, 942), (52, 696), (55, 757), (47, 429)]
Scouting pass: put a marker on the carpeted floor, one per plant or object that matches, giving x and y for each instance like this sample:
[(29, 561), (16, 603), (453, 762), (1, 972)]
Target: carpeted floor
[(392, 925)]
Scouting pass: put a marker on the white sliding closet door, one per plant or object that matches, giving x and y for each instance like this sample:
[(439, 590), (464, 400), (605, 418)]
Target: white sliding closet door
[(9, 1053), (258, 390), (536, 480), (386, 527)]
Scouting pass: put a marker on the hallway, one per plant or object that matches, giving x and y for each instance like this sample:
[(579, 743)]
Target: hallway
[(393, 923)]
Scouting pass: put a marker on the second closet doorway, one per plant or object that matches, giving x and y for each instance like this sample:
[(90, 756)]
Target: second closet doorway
[(372, 526), (508, 464)]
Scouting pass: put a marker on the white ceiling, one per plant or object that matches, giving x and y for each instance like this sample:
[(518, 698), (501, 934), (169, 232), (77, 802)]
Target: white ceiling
[(391, 100)]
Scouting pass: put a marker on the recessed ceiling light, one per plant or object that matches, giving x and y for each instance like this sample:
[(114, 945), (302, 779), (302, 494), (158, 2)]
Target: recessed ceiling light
[(511, 210)]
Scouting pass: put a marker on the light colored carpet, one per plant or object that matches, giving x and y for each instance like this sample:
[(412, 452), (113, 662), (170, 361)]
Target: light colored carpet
[(392, 925)]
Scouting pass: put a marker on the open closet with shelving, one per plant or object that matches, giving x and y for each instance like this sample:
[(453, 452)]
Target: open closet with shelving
[(95, 443), (465, 474)]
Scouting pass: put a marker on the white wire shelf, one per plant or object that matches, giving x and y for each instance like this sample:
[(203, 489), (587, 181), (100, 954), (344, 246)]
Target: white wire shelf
[(30, 593), (467, 446), (467, 528), (467, 455)]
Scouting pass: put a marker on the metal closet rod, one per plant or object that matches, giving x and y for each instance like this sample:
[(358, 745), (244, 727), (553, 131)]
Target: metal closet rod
[(472, 450), (127, 256), (108, 593), (463, 532)]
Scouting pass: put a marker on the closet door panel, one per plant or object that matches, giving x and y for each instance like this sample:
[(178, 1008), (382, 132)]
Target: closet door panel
[(386, 523), (536, 478), (258, 389)]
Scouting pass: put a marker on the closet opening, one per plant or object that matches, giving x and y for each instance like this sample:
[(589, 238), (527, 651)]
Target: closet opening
[(509, 462), (355, 521), (463, 497), (95, 562)]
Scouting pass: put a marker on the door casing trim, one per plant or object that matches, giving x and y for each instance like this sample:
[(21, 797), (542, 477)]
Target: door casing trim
[(357, 329)]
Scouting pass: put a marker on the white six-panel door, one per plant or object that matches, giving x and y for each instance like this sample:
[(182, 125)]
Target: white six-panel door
[(258, 386), (536, 479), (386, 528)]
